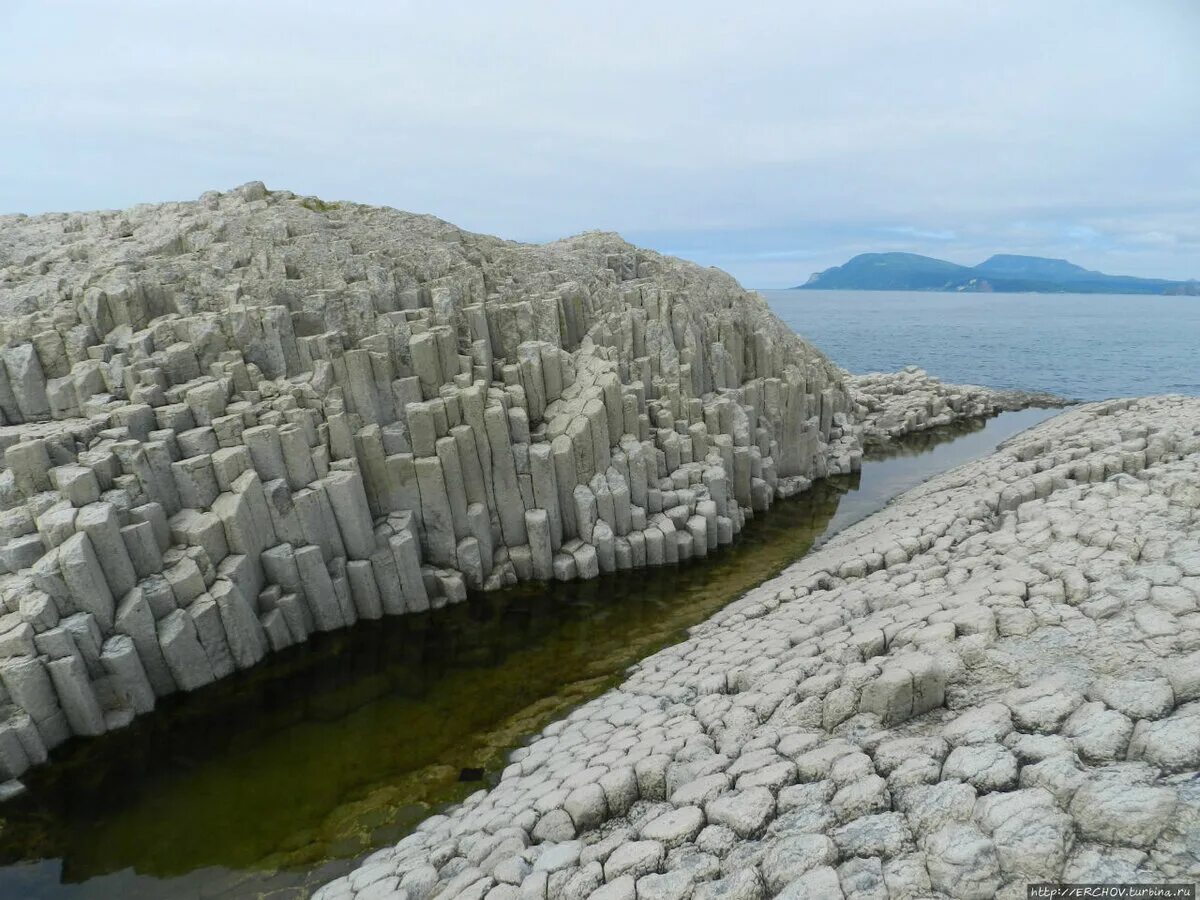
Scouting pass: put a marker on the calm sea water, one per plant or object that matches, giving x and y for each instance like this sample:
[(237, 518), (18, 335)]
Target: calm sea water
[(1083, 346)]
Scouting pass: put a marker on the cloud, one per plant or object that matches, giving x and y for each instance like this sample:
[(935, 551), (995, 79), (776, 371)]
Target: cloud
[(772, 139), (925, 234)]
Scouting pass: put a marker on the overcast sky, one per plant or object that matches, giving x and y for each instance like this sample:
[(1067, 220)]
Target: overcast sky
[(771, 139)]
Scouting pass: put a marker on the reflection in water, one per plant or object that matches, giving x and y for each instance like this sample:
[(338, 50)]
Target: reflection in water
[(921, 442), (277, 779), (894, 468)]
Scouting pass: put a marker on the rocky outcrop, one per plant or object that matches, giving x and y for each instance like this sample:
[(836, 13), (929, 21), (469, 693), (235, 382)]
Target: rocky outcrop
[(230, 423), (889, 405), (992, 682)]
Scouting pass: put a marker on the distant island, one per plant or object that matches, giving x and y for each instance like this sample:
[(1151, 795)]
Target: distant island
[(1003, 272)]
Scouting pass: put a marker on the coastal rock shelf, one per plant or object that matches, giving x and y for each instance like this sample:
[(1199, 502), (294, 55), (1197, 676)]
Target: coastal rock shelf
[(993, 681), (229, 423), (889, 405)]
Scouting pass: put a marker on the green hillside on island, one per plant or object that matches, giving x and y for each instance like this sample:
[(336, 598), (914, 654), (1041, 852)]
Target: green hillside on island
[(1005, 273)]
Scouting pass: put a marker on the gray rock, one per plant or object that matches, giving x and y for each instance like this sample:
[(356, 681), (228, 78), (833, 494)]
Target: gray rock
[(817, 884), (1033, 837), (986, 767), (121, 661), (669, 886), (85, 579), (555, 825), (884, 835), (636, 858), (862, 879), (623, 888), (1098, 734), (674, 828), (962, 863), (76, 695), (1043, 706), (1129, 815), (1137, 699), (1184, 677), (906, 876), (1060, 775), (587, 806), (987, 724), (860, 798), (744, 812), (743, 885), (555, 857), (1171, 744), (189, 665), (788, 858)]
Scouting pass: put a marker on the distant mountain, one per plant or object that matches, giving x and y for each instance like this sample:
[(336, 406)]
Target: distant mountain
[(1003, 272)]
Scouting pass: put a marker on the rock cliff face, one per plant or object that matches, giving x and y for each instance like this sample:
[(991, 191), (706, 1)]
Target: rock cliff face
[(232, 422)]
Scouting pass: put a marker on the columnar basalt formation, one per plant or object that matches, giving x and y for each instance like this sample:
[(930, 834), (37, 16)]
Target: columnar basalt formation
[(889, 405), (229, 423), (995, 681)]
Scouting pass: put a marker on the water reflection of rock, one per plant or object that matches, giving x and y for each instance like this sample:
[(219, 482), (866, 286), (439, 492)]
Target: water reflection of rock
[(920, 442), (346, 743), (250, 772)]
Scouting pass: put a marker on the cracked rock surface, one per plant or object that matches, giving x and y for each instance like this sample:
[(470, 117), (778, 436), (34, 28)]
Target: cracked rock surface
[(993, 681), (890, 405), (229, 423)]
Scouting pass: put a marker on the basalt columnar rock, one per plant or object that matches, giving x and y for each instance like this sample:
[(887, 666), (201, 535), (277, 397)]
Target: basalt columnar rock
[(229, 423), (994, 681), (889, 405)]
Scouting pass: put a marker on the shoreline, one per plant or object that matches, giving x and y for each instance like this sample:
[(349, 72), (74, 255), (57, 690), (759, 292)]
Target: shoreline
[(981, 404), (890, 405), (293, 415), (207, 461), (986, 683)]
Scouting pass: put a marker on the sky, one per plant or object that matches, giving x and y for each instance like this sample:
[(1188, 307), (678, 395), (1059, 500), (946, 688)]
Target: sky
[(771, 139)]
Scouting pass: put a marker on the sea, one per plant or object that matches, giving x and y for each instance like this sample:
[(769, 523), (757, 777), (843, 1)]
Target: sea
[(1079, 346)]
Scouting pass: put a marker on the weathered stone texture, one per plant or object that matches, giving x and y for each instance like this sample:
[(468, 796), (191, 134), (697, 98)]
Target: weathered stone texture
[(227, 423), (985, 685)]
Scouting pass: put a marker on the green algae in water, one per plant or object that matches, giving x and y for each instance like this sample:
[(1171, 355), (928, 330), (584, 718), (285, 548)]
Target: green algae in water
[(277, 779)]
